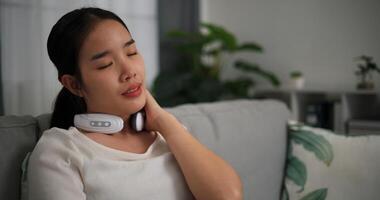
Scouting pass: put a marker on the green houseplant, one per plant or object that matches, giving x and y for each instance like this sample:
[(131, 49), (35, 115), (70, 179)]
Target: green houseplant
[(197, 78), (366, 67)]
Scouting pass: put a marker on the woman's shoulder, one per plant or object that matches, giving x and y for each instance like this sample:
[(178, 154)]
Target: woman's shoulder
[(54, 167), (54, 143), (55, 137)]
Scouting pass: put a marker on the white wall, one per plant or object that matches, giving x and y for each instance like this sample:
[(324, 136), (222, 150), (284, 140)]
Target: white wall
[(318, 37)]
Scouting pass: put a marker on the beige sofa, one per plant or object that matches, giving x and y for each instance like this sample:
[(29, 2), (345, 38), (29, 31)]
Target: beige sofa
[(249, 134)]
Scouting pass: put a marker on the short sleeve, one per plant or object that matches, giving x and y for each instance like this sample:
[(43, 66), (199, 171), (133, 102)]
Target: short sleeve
[(54, 169)]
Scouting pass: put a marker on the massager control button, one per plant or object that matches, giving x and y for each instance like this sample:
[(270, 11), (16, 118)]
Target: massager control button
[(100, 123)]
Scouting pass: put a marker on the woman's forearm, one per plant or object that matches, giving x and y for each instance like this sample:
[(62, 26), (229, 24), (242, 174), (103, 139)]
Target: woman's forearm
[(208, 176)]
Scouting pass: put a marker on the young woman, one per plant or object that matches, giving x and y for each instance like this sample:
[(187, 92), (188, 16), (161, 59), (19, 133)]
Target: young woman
[(102, 71)]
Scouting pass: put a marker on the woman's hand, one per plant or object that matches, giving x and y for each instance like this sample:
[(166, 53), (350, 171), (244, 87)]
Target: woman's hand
[(207, 175), (156, 116)]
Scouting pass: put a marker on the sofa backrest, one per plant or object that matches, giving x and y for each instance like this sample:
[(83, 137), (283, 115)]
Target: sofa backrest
[(249, 134), (18, 135)]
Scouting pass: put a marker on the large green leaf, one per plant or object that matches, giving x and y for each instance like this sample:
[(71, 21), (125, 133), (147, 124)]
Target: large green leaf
[(317, 144), (285, 194), (254, 68), (228, 40), (320, 194), (205, 90), (296, 172), (190, 42), (179, 34), (239, 87), (290, 150), (250, 46), (188, 36)]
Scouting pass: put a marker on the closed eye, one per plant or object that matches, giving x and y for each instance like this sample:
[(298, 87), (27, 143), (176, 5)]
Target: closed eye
[(105, 66), (132, 54)]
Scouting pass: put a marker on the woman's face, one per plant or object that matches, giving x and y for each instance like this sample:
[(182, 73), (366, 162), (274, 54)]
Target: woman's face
[(112, 71)]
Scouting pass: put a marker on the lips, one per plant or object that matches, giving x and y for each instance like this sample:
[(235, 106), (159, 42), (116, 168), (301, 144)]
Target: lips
[(133, 91)]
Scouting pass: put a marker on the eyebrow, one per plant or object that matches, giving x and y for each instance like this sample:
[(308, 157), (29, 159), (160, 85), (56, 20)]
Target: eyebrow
[(104, 53)]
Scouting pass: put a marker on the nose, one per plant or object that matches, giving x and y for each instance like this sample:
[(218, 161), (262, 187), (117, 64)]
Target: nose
[(127, 71), (127, 76)]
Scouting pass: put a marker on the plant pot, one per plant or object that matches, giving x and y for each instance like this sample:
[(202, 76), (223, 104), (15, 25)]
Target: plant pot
[(297, 83), (367, 85)]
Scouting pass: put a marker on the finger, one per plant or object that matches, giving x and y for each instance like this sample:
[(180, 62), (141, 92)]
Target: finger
[(152, 108), (153, 111), (150, 98)]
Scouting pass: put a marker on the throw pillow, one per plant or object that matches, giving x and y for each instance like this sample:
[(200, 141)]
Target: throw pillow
[(324, 165), (24, 181)]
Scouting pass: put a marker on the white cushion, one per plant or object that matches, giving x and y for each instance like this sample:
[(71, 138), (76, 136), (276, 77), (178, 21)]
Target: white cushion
[(354, 172)]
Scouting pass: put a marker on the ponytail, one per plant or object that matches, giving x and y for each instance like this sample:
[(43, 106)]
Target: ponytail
[(67, 105)]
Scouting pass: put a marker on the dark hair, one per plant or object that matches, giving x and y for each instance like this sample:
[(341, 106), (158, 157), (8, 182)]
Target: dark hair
[(64, 43)]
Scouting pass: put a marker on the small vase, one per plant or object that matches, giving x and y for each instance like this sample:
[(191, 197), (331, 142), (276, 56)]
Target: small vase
[(367, 85), (297, 83)]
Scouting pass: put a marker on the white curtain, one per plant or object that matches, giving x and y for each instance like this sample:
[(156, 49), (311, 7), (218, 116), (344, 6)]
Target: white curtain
[(29, 79)]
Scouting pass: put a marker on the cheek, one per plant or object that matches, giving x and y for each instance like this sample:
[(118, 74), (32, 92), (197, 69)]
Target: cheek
[(142, 72), (96, 85), (141, 69)]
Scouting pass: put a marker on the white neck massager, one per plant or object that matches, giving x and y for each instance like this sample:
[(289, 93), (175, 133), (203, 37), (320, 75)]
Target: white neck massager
[(108, 124)]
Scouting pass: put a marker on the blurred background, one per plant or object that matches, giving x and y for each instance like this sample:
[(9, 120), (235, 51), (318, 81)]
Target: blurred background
[(314, 54)]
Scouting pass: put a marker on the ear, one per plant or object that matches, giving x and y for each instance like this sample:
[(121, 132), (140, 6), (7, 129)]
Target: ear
[(72, 84)]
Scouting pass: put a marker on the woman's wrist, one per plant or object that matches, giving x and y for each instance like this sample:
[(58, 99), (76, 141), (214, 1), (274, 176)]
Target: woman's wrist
[(165, 123)]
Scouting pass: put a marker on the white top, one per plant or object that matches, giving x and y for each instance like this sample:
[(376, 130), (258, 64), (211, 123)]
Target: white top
[(66, 164)]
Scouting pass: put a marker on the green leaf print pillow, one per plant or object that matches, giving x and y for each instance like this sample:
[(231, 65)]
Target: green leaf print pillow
[(324, 165)]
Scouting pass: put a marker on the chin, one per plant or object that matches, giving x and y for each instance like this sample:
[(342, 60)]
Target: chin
[(128, 107), (137, 105), (141, 106)]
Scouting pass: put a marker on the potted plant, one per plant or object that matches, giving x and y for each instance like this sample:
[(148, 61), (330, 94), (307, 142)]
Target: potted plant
[(197, 76), (297, 79), (366, 67)]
